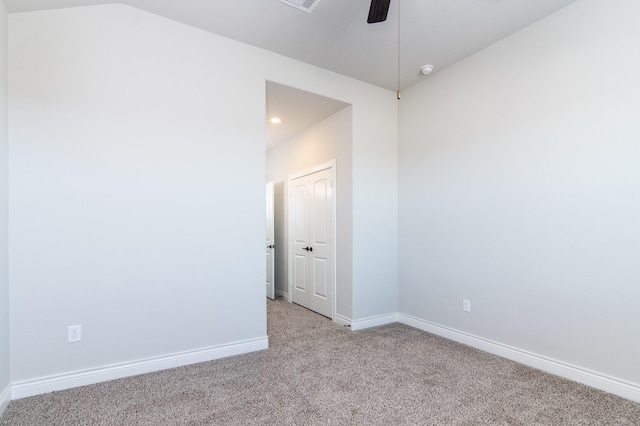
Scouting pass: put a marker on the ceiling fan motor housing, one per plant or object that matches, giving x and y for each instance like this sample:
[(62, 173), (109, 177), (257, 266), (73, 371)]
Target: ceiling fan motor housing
[(378, 11)]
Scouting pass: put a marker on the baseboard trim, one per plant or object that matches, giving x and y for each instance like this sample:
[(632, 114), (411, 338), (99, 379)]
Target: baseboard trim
[(280, 293), (74, 379), (373, 321), (344, 321), (590, 378), (5, 399)]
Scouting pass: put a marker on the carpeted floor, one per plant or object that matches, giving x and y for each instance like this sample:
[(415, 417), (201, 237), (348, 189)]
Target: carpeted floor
[(318, 373)]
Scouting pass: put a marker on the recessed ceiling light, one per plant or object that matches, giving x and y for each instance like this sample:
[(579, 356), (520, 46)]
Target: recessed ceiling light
[(275, 120)]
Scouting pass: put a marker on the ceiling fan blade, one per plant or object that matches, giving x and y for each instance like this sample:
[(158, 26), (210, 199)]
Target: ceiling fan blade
[(378, 11)]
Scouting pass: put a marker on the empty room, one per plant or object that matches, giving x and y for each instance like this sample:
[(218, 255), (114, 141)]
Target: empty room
[(454, 233)]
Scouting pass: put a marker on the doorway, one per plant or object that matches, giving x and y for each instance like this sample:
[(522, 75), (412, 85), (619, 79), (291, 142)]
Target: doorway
[(327, 138)]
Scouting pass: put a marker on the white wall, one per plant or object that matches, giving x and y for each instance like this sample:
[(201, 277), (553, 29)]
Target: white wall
[(137, 186), (4, 247), (327, 140), (375, 209), (519, 189), (125, 129)]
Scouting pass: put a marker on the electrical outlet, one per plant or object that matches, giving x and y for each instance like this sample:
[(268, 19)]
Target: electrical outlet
[(466, 305), (74, 333)]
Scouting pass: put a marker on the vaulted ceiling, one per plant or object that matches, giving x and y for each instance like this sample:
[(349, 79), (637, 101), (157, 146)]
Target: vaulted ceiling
[(336, 36)]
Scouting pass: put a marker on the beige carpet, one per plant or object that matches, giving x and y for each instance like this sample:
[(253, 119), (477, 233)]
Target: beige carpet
[(318, 373)]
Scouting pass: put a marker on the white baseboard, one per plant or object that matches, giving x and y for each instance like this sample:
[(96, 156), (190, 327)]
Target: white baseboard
[(5, 399), (74, 379), (373, 322), (344, 321), (590, 378), (280, 293)]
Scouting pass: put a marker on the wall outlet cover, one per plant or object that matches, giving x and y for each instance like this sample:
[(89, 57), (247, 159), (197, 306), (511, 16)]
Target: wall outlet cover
[(74, 333)]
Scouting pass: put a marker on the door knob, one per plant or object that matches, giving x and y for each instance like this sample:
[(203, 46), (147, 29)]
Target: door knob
[(308, 248), (272, 246)]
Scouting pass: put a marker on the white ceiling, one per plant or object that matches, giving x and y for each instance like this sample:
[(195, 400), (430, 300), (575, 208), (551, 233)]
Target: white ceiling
[(297, 109), (336, 36)]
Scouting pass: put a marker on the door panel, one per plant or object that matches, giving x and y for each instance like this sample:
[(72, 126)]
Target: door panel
[(320, 278), (300, 282), (320, 229), (299, 241), (312, 200), (320, 235), (300, 219)]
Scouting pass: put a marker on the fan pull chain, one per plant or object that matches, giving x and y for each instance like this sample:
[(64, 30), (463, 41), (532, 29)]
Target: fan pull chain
[(398, 9)]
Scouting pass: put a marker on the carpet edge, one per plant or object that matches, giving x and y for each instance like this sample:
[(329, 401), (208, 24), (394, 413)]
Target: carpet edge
[(587, 377), (32, 387)]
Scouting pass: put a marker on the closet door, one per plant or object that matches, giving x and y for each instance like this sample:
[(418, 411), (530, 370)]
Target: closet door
[(312, 247), (299, 218)]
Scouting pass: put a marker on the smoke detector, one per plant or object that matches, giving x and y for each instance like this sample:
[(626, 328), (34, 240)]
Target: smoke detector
[(426, 69), (304, 5)]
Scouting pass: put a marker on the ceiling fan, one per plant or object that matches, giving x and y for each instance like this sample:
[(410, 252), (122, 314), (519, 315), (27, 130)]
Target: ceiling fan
[(378, 11)]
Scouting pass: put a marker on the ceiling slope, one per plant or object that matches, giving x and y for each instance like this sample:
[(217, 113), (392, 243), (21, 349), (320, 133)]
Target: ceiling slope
[(336, 36)]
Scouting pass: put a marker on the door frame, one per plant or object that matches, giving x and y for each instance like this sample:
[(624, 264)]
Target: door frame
[(270, 213), (328, 165)]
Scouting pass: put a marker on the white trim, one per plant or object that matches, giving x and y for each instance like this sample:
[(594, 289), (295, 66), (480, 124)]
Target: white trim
[(280, 293), (591, 378), (373, 322), (92, 376), (5, 399), (327, 165), (331, 164), (340, 320)]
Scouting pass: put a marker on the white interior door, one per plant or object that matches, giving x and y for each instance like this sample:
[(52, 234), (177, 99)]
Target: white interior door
[(299, 219), (271, 245), (312, 241)]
